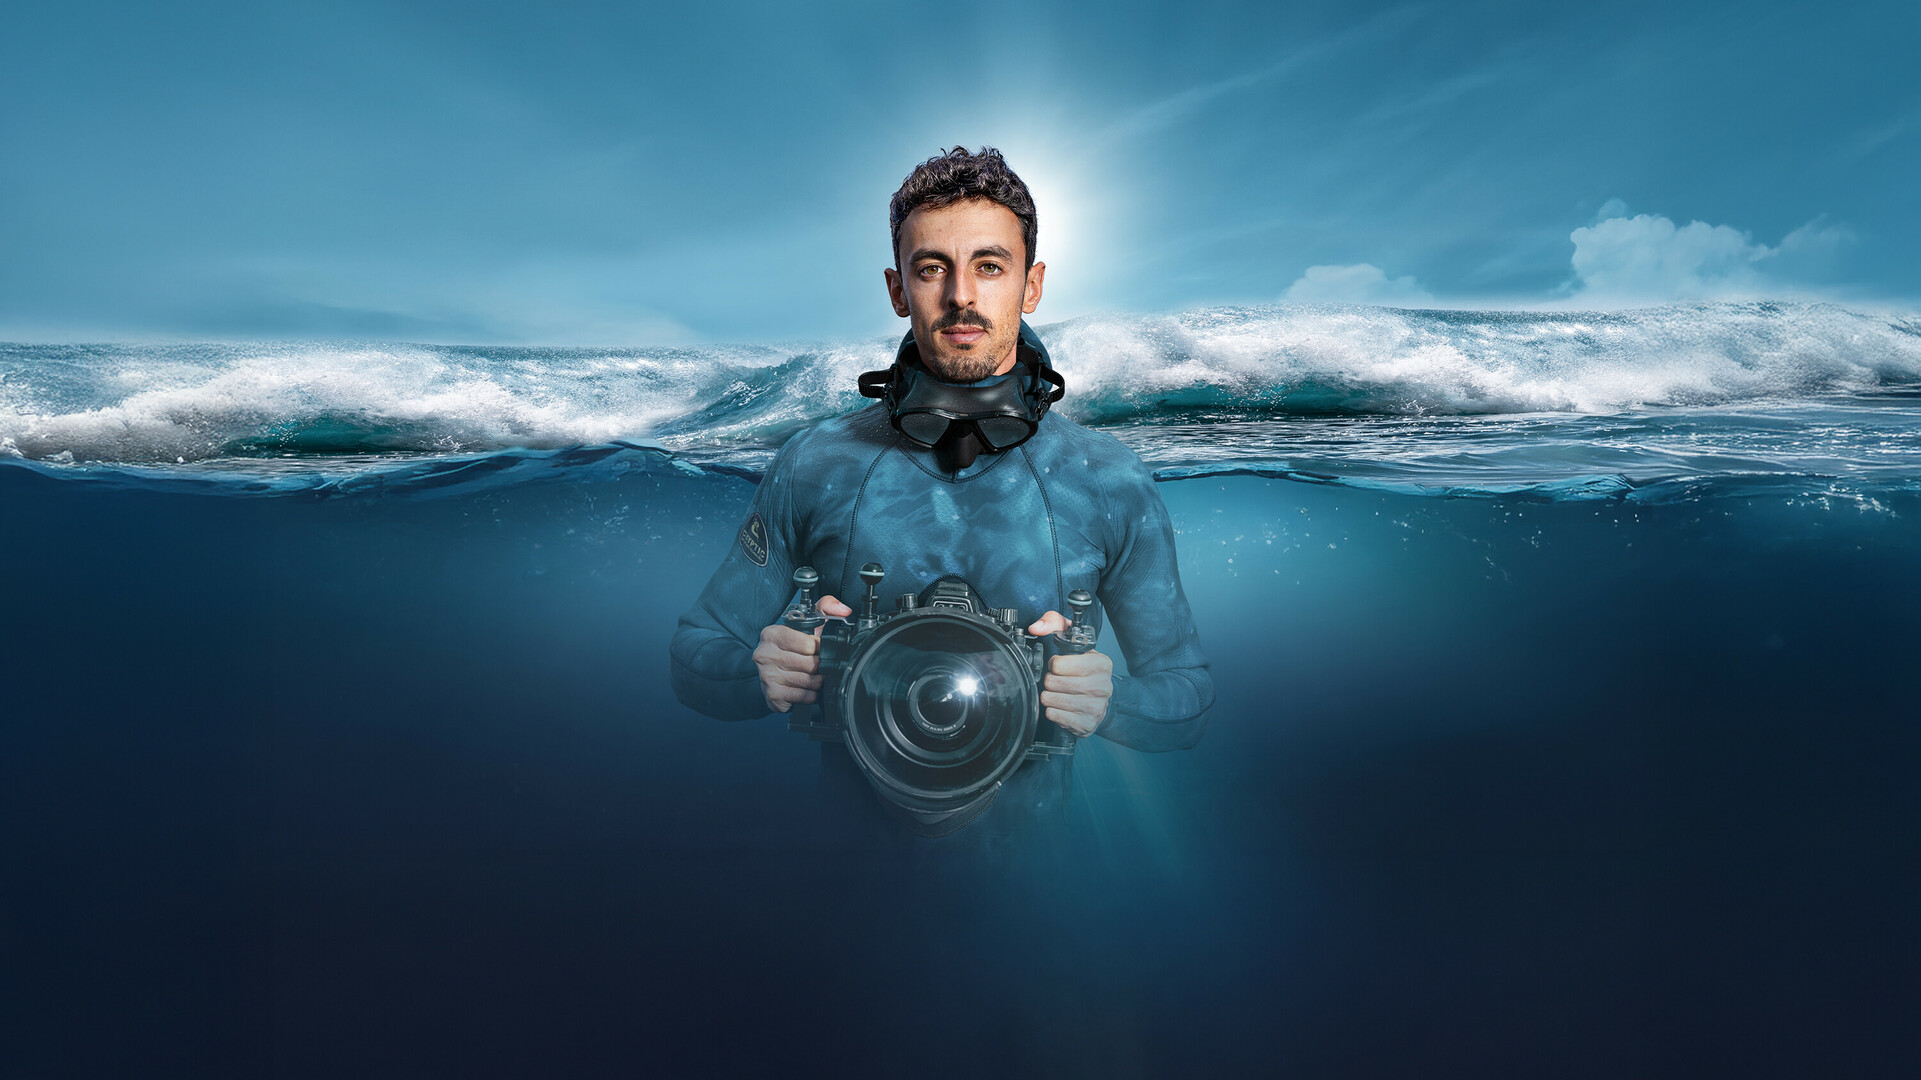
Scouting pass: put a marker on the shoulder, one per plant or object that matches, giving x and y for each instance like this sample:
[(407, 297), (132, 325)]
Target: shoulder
[(1106, 459), (855, 436)]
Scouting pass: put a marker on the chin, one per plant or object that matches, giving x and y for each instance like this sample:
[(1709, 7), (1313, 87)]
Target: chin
[(965, 363), (961, 368)]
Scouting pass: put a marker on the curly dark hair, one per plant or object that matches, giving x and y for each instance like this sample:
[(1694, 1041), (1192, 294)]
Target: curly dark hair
[(954, 175)]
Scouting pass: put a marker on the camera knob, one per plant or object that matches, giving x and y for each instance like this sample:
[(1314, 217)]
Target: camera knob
[(906, 601), (1078, 602), (1008, 617), (801, 614), (871, 575), (1078, 637)]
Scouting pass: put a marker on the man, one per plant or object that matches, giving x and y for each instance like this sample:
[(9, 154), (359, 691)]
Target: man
[(1025, 512)]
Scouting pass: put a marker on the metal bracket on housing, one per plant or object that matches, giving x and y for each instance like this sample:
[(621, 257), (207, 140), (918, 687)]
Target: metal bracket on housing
[(817, 730)]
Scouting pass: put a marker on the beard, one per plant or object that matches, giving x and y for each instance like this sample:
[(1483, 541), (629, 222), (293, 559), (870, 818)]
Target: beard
[(972, 365)]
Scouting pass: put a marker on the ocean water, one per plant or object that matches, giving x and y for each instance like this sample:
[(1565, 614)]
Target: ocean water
[(1565, 720)]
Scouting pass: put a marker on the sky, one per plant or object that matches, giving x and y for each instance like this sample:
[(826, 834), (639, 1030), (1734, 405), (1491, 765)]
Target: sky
[(641, 174)]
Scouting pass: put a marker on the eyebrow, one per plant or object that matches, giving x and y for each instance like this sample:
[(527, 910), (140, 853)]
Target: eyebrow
[(994, 252)]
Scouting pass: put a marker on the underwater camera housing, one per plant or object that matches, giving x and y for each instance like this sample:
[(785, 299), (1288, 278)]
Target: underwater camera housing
[(938, 701)]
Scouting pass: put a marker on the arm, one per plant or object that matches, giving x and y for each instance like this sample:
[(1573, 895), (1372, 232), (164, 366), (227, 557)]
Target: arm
[(711, 658), (1164, 703)]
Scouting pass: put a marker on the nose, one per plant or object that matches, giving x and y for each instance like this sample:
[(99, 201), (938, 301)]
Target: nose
[(960, 290)]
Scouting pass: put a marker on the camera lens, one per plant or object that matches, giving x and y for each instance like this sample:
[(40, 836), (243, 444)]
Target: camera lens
[(939, 702), (938, 706)]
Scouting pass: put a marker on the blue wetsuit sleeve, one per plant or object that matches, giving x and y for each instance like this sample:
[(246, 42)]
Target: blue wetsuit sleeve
[(1163, 704), (711, 659)]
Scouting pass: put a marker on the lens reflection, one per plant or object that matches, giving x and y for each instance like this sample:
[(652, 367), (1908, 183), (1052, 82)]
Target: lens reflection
[(938, 702)]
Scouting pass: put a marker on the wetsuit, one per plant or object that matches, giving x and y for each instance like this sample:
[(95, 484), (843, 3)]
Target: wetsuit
[(1068, 509)]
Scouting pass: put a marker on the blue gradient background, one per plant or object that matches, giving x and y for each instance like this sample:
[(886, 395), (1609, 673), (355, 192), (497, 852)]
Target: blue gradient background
[(318, 762), (642, 174)]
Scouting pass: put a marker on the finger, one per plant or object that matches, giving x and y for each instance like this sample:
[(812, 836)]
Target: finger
[(784, 698), (790, 689), (828, 605), (1051, 623), (1087, 663), (770, 655), (1078, 723), (1086, 686), (787, 661), (1079, 704), (790, 640), (782, 677)]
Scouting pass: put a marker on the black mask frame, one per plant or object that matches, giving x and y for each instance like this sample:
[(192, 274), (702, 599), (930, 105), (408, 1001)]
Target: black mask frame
[(962, 421)]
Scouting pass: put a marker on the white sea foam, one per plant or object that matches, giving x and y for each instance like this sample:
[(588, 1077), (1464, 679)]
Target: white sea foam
[(1380, 360), (190, 403)]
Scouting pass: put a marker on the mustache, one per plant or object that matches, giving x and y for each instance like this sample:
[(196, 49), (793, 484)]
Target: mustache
[(962, 317)]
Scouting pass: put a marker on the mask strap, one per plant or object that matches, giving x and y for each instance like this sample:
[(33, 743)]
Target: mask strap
[(1052, 376), (875, 384)]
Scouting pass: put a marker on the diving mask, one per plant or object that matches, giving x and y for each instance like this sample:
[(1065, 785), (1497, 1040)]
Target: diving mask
[(962, 418)]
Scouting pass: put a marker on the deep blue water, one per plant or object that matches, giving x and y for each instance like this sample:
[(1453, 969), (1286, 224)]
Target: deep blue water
[(1555, 736)]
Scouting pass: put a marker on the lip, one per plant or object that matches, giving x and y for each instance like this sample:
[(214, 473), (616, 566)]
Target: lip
[(963, 334)]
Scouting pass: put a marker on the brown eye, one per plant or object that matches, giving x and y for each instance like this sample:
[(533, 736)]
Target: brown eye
[(990, 269), (929, 270)]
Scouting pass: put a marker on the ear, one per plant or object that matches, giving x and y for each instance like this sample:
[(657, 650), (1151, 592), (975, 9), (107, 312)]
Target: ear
[(1031, 299), (896, 292)]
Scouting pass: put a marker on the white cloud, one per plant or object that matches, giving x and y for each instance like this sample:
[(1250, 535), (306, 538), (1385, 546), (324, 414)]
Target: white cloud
[(1361, 283), (1815, 238), (1648, 257)]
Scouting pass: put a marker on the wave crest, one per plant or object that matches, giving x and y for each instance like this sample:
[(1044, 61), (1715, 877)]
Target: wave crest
[(201, 402)]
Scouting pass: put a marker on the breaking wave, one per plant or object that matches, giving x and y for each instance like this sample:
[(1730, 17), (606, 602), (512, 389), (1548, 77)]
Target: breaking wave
[(124, 403), (1566, 404)]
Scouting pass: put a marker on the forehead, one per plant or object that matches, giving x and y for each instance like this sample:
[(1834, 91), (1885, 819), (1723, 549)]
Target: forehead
[(960, 229)]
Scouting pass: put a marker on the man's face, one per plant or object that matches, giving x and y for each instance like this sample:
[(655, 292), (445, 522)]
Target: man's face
[(960, 281)]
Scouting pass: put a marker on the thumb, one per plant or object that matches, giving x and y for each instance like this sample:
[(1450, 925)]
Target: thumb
[(1051, 623), (828, 605)]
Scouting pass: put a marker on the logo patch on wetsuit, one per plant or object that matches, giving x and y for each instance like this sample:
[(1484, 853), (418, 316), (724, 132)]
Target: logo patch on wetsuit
[(753, 540)]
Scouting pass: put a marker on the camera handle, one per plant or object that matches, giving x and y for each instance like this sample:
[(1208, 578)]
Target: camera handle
[(1076, 638), (803, 616)]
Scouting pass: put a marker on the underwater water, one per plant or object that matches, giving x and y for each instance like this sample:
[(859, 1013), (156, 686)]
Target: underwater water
[(1564, 725)]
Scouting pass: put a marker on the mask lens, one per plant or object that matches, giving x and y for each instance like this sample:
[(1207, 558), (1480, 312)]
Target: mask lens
[(1001, 432), (923, 428)]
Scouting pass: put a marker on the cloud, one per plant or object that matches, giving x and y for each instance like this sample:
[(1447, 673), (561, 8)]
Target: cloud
[(1362, 283), (1647, 257)]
